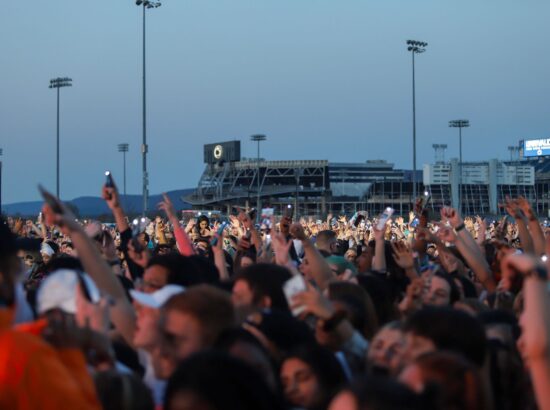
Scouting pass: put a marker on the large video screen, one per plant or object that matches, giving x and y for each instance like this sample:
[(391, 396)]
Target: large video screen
[(536, 148)]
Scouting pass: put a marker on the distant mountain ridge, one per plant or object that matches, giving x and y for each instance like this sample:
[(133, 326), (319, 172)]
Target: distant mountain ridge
[(89, 206)]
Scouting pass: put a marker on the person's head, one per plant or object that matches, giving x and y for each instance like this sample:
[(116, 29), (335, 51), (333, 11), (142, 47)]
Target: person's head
[(442, 291), (364, 260), (501, 325), (191, 321), (457, 382), (379, 393), (241, 344), (46, 252), (147, 307), (311, 375), (442, 328), (261, 286), (126, 391), (60, 293), (9, 264), (284, 224), (203, 222), (341, 267), (214, 380), (176, 269), (385, 348), (326, 241), (356, 302)]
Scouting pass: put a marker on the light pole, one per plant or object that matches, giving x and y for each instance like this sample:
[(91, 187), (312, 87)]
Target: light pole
[(459, 124), (58, 83), (258, 138), (1, 152), (146, 4), (415, 47), (124, 149)]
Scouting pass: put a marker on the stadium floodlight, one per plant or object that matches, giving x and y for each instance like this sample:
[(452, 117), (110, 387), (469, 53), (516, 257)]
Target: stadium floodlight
[(124, 149), (459, 124), (258, 138), (58, 83), (414, 47), (146, 4)]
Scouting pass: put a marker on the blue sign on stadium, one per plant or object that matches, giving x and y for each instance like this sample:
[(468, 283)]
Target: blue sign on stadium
[(536, 148)]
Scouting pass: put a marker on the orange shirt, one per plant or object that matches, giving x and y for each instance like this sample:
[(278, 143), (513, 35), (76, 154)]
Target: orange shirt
[(34, 375)]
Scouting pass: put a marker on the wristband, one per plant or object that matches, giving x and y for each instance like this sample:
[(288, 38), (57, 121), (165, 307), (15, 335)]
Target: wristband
[(460, 227)]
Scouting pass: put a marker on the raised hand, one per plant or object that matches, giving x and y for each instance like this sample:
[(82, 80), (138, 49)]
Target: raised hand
[(313, 302), (452, 216), (297, 231), (111, 196), (167, 206), (446, 233), (281, 248), (403, 255)]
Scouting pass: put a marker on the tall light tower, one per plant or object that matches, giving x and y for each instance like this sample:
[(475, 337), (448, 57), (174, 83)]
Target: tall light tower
[(1, 152), (146, 4), (459, 124), (124, 149), (415, 47), (58, 83), (258, 138)]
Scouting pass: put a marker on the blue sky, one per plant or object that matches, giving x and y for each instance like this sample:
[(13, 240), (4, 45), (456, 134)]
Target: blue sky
[(322, 79)]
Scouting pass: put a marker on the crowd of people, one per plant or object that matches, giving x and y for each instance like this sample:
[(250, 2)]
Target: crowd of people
[(422, 311)]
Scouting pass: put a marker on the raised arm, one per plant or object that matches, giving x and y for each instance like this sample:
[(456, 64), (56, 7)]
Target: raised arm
[(122, 313), (539, 243), (321, 272), (535, 322), (467, 247), (185, 246)]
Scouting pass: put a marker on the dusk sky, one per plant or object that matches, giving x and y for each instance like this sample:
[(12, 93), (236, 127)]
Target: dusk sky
[(322, 79)]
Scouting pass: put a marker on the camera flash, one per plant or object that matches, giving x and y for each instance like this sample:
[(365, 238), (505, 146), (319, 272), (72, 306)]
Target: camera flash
[(107, 173), (544, 258)]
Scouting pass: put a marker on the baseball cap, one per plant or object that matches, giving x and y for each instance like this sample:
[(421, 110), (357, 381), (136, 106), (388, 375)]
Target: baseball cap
[(158, 298), (58, 290)]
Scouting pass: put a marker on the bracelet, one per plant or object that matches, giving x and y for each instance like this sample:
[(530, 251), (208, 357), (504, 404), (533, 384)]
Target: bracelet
[(538, 272), (460, 227)]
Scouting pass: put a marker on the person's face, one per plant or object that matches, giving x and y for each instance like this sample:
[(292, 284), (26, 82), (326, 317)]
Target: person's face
[(386, 349), (146, 335), (45, 257), (412, 377), (203, 225), (305, 268), (414, 347), (181, 336), (344, 401), (154, 278), (242, 295), (350, 256), (364, 261), (300, 384), (439, 292), (142, 239)]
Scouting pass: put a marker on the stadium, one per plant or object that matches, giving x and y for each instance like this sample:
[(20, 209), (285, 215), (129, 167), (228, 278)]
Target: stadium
[(319, 187)]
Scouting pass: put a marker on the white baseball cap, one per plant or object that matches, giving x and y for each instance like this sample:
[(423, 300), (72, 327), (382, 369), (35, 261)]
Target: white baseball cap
[(58, 290), (158, 298)]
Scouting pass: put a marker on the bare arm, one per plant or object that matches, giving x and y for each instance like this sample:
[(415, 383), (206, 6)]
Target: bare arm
[(379, 260), (321, 272), (122, 313)]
